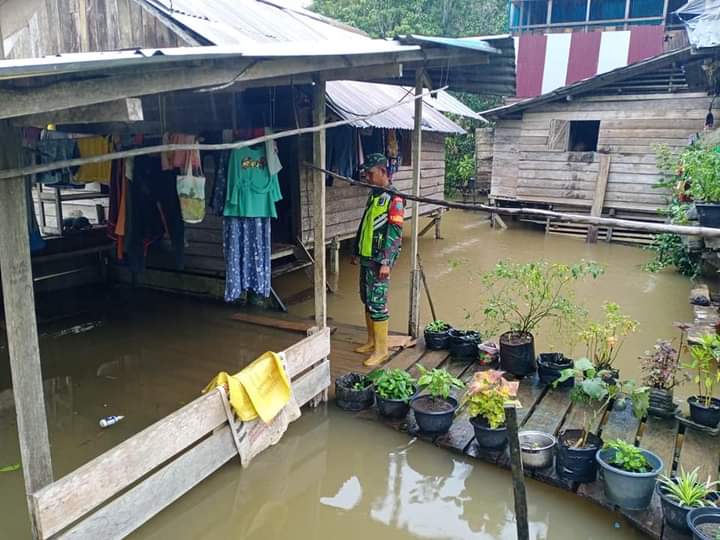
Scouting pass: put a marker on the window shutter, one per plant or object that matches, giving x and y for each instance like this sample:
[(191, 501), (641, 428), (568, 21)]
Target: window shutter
[(559, 135)]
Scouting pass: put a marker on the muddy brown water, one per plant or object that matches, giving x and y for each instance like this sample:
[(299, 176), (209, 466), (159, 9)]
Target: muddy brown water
[(331, 476)]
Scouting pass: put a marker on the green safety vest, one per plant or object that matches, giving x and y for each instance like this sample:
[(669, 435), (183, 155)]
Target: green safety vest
[(374, 219)]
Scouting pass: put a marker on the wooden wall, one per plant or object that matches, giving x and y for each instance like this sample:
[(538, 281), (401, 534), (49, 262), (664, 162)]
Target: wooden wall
[(484, 140), (524, 169), (70, 26)]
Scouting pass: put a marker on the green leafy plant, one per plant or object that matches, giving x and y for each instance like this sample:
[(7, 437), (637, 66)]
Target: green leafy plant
[(671, 252), (661, 366), (687, 490), (393, 384), (438, 382), (604, 339), (627, 457), (594, 392), (437, 326), (362, 383), (525, 294), (705, 361), (487, 395)]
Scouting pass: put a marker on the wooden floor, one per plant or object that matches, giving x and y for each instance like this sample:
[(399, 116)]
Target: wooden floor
[(551, 411)]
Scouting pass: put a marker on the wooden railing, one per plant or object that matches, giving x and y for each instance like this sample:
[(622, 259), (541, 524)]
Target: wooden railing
[(118, 491)]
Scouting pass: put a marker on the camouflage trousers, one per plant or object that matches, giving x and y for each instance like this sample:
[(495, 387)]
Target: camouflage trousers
[(374, 291)]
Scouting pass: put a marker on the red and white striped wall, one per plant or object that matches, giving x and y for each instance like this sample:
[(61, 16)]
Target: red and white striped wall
[(548, 61)]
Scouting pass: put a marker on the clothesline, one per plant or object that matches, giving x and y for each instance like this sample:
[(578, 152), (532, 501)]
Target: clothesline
[(645, 226), (46, 167)]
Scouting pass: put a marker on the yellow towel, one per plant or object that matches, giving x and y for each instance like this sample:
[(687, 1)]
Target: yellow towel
[(261, 389), (94, 172)]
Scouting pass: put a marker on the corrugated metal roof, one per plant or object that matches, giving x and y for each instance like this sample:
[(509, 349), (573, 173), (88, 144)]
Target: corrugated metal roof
[(473, 43), (353, 99), (444, 102)]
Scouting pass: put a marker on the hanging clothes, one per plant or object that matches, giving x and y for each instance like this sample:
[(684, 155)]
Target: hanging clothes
[(251, 190), (57, 149), (341, 156), (94, 172), (247, 249), (219, 193), (271, 151), (117, 213), (178, 159)]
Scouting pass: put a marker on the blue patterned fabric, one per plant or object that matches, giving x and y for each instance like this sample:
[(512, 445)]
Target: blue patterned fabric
[(217, 203), (246, 244)]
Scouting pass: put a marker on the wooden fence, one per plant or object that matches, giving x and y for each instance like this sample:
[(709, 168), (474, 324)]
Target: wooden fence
[(118, 491)]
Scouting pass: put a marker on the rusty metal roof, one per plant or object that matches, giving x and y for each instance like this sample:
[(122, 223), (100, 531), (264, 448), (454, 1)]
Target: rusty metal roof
[(353, 99)]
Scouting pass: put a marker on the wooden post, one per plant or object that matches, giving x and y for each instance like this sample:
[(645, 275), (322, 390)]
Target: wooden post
[(599, 198), (518, 476), (414, 316), (21, 326), (335, 256), (319, 204)]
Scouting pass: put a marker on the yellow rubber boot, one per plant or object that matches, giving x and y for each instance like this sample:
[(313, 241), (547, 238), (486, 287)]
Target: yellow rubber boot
[(380, 329), (370, 345)]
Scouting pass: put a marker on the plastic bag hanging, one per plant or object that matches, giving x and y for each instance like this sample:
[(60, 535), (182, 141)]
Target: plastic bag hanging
[(191, 192)]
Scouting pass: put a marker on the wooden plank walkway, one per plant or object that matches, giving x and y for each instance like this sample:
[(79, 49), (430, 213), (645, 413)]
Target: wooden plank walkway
[(551, 411)]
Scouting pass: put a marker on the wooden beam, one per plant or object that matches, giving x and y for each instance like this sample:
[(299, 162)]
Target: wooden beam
[(121, 110), (319, 204), (21, 324), (599, 197), (414, 315)]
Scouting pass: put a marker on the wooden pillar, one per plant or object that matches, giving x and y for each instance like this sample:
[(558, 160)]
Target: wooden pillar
[(319, 204), (21, 326), (518, 476), (414, 316), (599, 198), (335, 256)]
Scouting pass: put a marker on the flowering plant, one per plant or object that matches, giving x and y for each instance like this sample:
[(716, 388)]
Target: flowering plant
[(661, 366), (487, 395), (605, 339)]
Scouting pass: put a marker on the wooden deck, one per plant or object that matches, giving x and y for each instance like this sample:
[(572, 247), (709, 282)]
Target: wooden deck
[(551, 411)]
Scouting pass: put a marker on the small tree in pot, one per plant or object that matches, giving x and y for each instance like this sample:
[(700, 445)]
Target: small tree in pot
[(705, 356), (485, 400), (593, 391), (662, 373), (393, 390), (682, 493), (434, 411), (605, 339), (526, 294)]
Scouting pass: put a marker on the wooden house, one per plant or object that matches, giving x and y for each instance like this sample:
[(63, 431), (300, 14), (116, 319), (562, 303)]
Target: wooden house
[(592, 145)]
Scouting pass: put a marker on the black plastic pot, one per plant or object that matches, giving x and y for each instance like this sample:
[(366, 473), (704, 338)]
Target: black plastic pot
[(705, 416), (433, 421), (392, 408), (661, 403), (674, 513), (701, 521), (517, 353), (551, 365), (486, 436), (577, 464), (353, 400), (708, 214), (437, 341), (463, 344)]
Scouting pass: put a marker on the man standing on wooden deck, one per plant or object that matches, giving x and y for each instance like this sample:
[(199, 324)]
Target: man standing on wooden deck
[(377, 246)]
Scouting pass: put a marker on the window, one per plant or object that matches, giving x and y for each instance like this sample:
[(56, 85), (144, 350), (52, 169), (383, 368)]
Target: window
[(607, 10), (569, 11), (584, 136), (536, 12), (646, 8)]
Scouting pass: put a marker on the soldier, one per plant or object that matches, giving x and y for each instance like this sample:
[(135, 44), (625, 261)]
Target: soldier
[(377, 246)]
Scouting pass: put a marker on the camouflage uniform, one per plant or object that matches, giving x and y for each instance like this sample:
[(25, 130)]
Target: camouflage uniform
[(384, 250)]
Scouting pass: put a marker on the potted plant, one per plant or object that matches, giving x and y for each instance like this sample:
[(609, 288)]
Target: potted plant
[(704, 523), (464, 343), (705, 360), (682, 493), (550, 367), (354, 392), (393, 390), (526, 294), (436, 335), (700, 166), (661, 372), (605, 339), (593, 391), (434, 411), (630, 474), (485, 400)]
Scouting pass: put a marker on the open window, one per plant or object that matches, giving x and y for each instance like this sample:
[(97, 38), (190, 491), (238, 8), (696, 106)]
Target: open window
[(574, 135)]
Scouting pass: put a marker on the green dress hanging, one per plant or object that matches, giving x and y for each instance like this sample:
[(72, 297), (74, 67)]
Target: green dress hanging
[(251, 190)]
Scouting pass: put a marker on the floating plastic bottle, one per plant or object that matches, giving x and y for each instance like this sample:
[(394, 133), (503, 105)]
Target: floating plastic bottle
[(109, 421)]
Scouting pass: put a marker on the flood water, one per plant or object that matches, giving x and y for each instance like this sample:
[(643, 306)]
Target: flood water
[(331, 476)]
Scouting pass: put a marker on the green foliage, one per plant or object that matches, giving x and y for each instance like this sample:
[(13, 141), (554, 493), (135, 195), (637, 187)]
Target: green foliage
[(10, 468), (687, 490), (438, 382), (362, 384), (627, 457), (605, 339), (525, 294), (437, 326), (488, 394), (393, 384), (671, 252), (661, 366), (705, 360)]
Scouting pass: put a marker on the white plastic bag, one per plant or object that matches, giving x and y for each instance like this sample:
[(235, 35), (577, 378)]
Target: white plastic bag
[(191, 192)]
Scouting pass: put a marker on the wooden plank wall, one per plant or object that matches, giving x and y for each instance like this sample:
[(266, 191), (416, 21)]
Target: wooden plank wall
[(345, 203), (525, 169), (484, 138), (70, 26)]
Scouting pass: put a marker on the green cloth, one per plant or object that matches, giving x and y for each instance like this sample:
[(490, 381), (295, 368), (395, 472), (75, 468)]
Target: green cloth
[(251, 190)]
